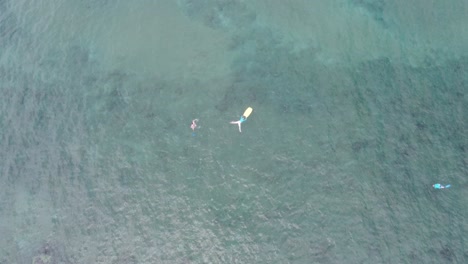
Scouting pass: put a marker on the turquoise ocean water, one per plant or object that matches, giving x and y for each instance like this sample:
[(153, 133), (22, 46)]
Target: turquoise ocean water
[(359, 107)]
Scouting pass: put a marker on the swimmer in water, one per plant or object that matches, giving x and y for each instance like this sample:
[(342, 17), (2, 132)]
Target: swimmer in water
[(440, 186), (243, 118), (194, 124)]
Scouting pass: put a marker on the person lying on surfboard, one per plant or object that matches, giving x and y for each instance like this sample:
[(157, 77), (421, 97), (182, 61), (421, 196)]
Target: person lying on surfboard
[(243, 118)]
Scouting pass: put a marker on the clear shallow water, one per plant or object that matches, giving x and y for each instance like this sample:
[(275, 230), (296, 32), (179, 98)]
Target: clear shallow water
[(359, 107)]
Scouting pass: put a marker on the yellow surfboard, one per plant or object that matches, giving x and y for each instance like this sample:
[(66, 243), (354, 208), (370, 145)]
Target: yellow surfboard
[(247, 112)]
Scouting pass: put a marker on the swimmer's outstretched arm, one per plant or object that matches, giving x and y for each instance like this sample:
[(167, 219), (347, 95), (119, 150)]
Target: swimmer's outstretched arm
[(238, 123)]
